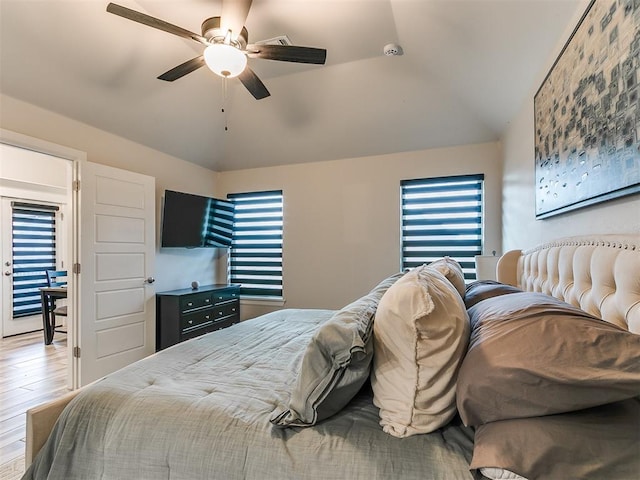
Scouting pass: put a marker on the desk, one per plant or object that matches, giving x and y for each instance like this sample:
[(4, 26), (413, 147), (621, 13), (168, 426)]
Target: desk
[(48, 296)]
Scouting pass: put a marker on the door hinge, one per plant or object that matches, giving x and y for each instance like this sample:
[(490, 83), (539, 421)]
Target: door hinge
[(76, 352), (76, 268), (76, 185)]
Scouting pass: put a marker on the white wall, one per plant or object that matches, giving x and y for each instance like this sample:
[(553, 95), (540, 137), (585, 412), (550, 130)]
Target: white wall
[(520, 229), (342, 218), (175, 268)]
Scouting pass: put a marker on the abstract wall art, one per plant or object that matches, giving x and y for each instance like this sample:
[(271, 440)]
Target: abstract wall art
[(587, 113)]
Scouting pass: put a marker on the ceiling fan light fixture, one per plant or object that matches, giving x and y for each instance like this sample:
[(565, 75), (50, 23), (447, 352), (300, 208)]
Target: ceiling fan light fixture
[(225, 60)]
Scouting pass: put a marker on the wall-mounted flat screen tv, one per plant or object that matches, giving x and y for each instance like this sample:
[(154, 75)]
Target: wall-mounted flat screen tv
[(192, 221)]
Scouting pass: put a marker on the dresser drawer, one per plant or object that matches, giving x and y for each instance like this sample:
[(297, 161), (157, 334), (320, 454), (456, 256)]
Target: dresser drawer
[(225, 295), (226, 310), (198, 300), (191, 321), (196, 332)]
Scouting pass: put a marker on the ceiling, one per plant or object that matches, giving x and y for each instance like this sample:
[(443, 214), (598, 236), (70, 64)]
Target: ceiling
[(467, 68)]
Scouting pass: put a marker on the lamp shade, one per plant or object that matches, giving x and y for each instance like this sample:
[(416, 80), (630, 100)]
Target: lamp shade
[(225, 60), (486, 267)]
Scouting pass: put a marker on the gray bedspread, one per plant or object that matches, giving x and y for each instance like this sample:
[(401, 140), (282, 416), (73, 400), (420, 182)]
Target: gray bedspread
[(200, 410)]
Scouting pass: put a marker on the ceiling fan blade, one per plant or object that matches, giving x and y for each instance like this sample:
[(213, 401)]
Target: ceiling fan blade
[(255, 86), (154, 22), (288, 53), (182, 69), (234, 15)]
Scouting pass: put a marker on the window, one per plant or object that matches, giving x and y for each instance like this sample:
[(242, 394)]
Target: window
[(442, 217), (33, 252), (255, 261)]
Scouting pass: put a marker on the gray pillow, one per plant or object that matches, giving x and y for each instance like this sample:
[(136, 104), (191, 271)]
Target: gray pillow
[(532, 355), (336, 363), (595, 443), (484, 289)]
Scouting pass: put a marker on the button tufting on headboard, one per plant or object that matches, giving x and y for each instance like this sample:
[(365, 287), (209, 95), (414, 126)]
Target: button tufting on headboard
[(600, 274)]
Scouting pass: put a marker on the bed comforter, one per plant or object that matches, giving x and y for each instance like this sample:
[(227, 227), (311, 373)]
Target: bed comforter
[(200, 410)]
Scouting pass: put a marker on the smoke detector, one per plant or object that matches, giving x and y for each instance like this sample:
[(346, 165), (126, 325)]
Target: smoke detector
[(392, 50), (281, 40)]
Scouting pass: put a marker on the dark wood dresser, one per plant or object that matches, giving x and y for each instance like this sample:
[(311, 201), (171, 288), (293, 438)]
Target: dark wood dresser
[(188, 313)]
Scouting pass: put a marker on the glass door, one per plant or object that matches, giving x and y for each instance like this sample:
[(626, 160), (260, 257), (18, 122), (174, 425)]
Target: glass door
[(29, 246)]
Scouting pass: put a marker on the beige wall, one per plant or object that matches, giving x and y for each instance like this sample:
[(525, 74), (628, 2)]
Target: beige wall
[(175, 268), (342, 218), (520, 229)]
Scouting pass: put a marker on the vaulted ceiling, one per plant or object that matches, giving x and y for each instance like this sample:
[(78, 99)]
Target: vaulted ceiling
[(467, 68)]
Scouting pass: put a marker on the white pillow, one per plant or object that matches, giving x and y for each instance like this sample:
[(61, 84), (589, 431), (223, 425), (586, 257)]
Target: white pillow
[(453, 271), (421, 332), (495, 473)]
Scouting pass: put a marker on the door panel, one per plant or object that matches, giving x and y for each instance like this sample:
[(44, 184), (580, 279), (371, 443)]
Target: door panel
[(114, 341), (113, 266), (116, 249), (114, 229), (114, 304)]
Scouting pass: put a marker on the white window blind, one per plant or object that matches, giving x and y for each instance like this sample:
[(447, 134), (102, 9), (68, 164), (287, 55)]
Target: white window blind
[(219, 225), (255, 259), (442, 217), (33, 252)]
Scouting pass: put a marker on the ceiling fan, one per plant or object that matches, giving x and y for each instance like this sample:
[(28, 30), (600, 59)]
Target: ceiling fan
[(226, 52)]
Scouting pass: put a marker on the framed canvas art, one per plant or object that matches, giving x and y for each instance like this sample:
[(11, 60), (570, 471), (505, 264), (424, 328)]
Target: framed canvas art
[(587, 113)]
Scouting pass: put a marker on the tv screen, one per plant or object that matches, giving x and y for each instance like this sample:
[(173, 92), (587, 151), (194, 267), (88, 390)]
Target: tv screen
[(191, 221)]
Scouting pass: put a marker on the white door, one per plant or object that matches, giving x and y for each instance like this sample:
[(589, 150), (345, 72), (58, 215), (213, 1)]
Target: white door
[(115, 212)]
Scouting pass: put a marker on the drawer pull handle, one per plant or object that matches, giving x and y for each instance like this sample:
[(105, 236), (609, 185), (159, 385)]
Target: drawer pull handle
[(190, 322), (190, 304), (220, 313), (233, 309), (207, 301), (207, 317)]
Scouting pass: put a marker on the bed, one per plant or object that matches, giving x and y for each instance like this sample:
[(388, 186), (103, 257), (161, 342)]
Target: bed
[(421, 378)]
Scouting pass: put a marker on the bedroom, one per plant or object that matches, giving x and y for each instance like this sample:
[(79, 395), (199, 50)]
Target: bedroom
[(363, 187), (505, 158)]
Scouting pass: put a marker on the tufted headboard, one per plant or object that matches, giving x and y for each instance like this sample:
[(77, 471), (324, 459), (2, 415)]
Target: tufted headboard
[(600, 274)]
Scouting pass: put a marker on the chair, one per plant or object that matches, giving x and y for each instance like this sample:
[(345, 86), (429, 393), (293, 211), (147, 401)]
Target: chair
[(56, 279)]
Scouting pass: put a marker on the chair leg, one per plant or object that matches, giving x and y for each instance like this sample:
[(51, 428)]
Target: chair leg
[(49, 328), (47, 317)]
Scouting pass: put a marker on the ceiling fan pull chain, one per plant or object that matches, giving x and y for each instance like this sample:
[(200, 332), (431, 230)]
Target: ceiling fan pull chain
[(224, 102)]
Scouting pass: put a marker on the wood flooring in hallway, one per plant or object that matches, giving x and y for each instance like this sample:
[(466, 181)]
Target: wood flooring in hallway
[(31, 373)]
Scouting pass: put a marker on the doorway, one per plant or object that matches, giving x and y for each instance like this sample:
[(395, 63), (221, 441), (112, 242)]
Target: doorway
[(108, 230), (37, 173)]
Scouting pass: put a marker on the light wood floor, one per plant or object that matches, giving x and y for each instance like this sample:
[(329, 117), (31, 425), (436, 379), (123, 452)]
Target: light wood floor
[(31, 373)]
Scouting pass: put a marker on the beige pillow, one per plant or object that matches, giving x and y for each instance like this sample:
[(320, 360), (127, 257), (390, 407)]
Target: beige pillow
[(421, 332), (453, 271)]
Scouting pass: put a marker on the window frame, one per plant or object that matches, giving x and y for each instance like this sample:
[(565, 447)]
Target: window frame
[(269, 261), (440, 225)]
